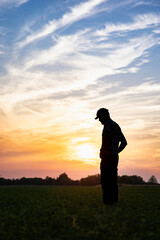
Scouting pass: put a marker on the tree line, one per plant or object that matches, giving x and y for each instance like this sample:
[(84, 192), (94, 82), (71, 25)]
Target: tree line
[(64, 180)]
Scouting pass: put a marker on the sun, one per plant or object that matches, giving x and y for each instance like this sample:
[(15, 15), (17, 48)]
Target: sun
[(86, 151)]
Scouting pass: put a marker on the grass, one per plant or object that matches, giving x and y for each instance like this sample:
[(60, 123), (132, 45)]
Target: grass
[(48, 212)]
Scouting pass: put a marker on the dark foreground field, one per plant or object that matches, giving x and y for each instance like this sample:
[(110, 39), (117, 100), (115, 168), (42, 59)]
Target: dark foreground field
[(47, 213)]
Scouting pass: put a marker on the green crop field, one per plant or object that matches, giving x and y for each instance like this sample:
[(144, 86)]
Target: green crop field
[(49, 212)]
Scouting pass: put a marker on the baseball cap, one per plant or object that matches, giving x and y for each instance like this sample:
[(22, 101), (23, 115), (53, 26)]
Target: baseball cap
[(102, 111)]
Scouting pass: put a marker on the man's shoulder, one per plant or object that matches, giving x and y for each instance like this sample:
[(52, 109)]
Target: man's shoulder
[(115, 127), (113, 123), (109, 125)]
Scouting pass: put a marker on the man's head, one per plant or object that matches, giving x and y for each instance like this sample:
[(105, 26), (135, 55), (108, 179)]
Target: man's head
[(103, 115)]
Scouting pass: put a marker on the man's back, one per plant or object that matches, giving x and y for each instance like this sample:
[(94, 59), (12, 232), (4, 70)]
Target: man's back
[(111, 137)]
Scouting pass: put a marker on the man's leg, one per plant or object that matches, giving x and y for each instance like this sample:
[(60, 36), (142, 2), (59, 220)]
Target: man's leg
[(109, 179), (115, 179), (106, 182)]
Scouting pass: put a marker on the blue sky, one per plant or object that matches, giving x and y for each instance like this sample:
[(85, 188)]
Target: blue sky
[(63, 60)]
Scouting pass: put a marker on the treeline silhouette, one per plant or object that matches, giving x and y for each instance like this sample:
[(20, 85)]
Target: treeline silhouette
[(64, 180)]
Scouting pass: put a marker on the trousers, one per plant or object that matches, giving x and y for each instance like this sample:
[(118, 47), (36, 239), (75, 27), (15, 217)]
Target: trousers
[(109, 178)]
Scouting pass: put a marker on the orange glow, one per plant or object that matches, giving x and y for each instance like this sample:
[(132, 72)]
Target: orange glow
[(86, 151), (55, 149)]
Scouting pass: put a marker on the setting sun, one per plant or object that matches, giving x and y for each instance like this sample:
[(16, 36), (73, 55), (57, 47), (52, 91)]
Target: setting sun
[(86, 151)]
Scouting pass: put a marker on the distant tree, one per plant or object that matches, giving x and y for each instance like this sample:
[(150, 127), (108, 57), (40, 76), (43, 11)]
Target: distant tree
[(30, 181), (152, 180), (49, 181), (90, 180), (2, 181), (75, 182), (134, 179), (63, 179)]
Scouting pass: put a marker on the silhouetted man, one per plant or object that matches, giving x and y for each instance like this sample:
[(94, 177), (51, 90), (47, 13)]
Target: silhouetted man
[(113, 142)]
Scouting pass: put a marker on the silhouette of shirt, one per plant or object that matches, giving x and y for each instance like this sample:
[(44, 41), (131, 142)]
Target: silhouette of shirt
[(111, 137)]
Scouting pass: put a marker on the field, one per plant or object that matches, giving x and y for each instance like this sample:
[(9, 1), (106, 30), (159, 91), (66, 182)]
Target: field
[(49, 212)]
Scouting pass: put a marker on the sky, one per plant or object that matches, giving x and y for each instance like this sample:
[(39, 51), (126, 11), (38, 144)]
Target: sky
[(63, 60)]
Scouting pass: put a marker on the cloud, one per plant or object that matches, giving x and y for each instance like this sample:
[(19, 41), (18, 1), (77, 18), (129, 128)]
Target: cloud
[(74, 62), (80, 49), (130, 52), (139, 3), (139, 22), (81, 11), (12, 3), (144, 88), (156, 31)]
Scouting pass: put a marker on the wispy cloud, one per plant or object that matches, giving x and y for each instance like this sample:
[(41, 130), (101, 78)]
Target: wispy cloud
[(83, 10), (139, 3), (12, 3), (79, 49), (143, 88), (84, 67), (139, 22)]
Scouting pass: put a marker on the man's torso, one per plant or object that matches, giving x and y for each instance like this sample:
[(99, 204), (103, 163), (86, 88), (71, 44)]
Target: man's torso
[(111, 137)]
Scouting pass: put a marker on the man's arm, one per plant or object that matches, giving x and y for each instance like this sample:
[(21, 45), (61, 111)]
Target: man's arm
[(123, 143)]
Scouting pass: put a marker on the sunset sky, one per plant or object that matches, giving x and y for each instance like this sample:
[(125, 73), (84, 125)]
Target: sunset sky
[(63, 60)]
